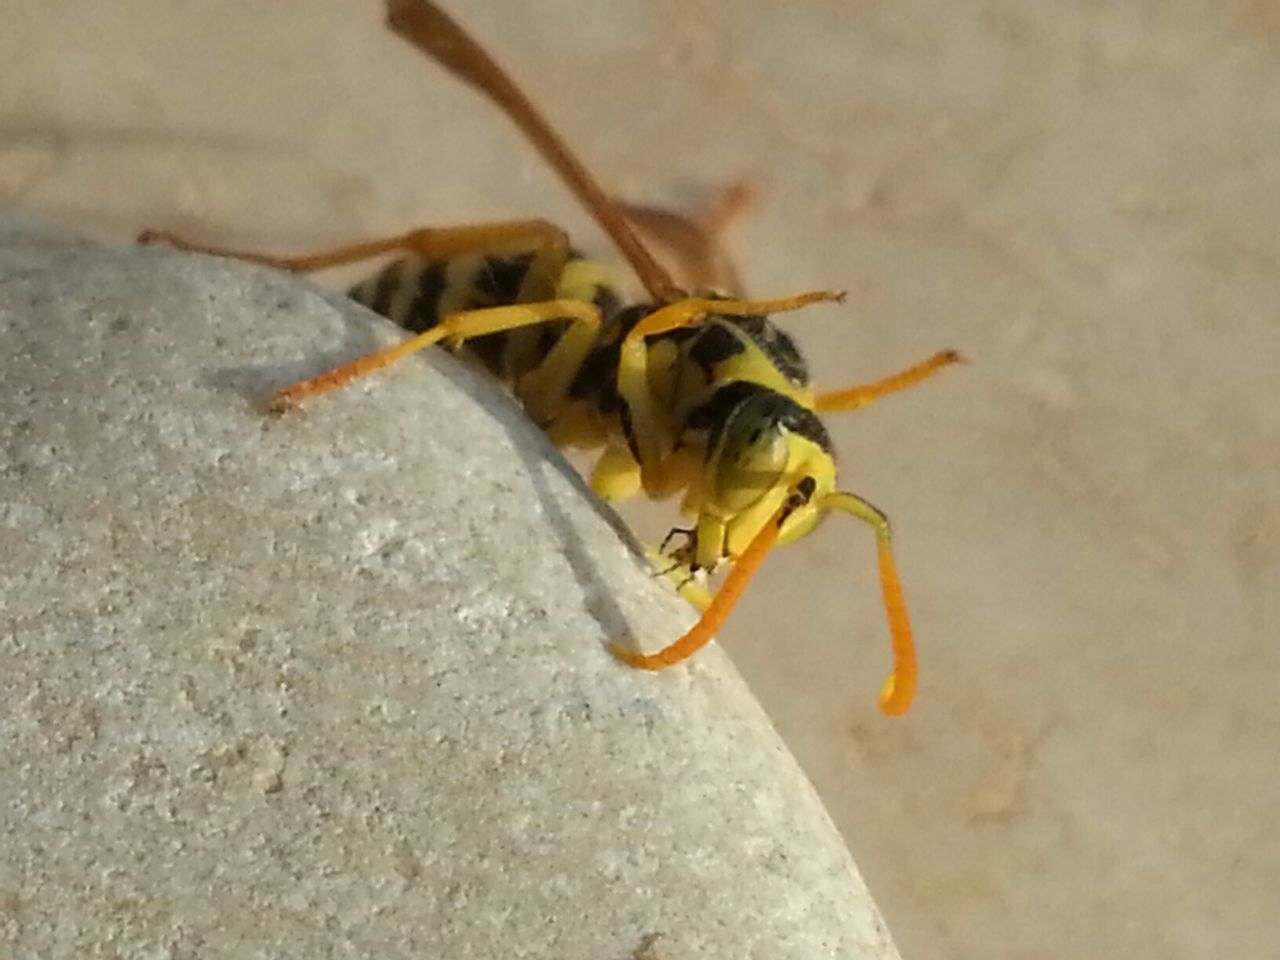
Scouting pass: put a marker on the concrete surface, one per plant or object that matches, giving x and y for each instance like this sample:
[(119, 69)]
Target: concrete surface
[(319, 686), (1084, 198)]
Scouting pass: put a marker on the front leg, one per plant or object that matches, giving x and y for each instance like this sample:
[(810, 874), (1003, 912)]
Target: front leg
[(726, 598), (687, 580)]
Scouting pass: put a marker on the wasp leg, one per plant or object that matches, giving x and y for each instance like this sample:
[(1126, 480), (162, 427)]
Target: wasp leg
[(547, 242), (457, 328), (681, 576), (616, 475), (689, 533), (722, 604), (854, 397), (543, 390), (651, 442)]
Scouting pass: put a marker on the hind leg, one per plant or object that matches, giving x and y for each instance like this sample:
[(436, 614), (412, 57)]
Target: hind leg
[(547, 242)]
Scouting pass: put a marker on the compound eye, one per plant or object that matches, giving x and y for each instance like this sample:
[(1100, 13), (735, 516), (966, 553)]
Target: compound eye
[(752, 458)]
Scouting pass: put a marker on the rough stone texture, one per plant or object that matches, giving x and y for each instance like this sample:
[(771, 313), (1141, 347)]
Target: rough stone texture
[(1082, 197), (335, 684)]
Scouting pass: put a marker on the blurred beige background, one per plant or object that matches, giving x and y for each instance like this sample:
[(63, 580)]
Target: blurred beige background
[(1084, 198)]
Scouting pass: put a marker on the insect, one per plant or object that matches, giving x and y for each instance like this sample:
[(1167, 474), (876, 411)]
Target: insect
[(693, 394)]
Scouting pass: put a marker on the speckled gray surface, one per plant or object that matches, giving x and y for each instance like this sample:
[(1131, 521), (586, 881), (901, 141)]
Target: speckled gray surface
[(1081, 197), (335, 684)]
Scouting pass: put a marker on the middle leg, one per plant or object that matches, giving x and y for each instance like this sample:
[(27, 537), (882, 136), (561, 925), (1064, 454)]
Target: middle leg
[(457, 328)]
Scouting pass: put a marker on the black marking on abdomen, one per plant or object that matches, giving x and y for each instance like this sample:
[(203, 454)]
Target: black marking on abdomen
[(596, 381), (384, 290), (424, 310), (491, 350), (500, 279), (476, 283)]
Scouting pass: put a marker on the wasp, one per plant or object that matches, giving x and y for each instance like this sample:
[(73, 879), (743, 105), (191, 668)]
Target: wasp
[(698, 394)]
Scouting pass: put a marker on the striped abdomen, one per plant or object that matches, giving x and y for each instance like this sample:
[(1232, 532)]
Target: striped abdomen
[(416, 293)]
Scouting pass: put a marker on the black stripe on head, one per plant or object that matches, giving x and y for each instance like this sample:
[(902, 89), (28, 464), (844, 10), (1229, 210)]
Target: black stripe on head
[(805, 423), (767, 407), (712, 415)]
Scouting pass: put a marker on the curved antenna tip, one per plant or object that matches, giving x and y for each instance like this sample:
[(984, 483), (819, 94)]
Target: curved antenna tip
[(896, 698)]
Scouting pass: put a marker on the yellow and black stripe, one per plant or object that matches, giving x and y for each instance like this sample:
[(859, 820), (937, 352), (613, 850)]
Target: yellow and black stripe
[(416, 294)]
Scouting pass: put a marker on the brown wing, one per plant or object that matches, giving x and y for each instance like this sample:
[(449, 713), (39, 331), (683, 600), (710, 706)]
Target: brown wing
[(693, 243), (433, 32)]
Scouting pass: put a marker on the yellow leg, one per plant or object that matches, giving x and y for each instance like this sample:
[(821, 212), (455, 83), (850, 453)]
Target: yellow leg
[(455, 327), (722, 604), (854, 397), (616, 475), (547, 242), (898, 691), (680, 576), (542, 390), (900, 688), (633, 365)]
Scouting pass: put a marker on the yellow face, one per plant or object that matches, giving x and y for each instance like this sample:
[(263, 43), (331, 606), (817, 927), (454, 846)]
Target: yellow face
[(757, 462)]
